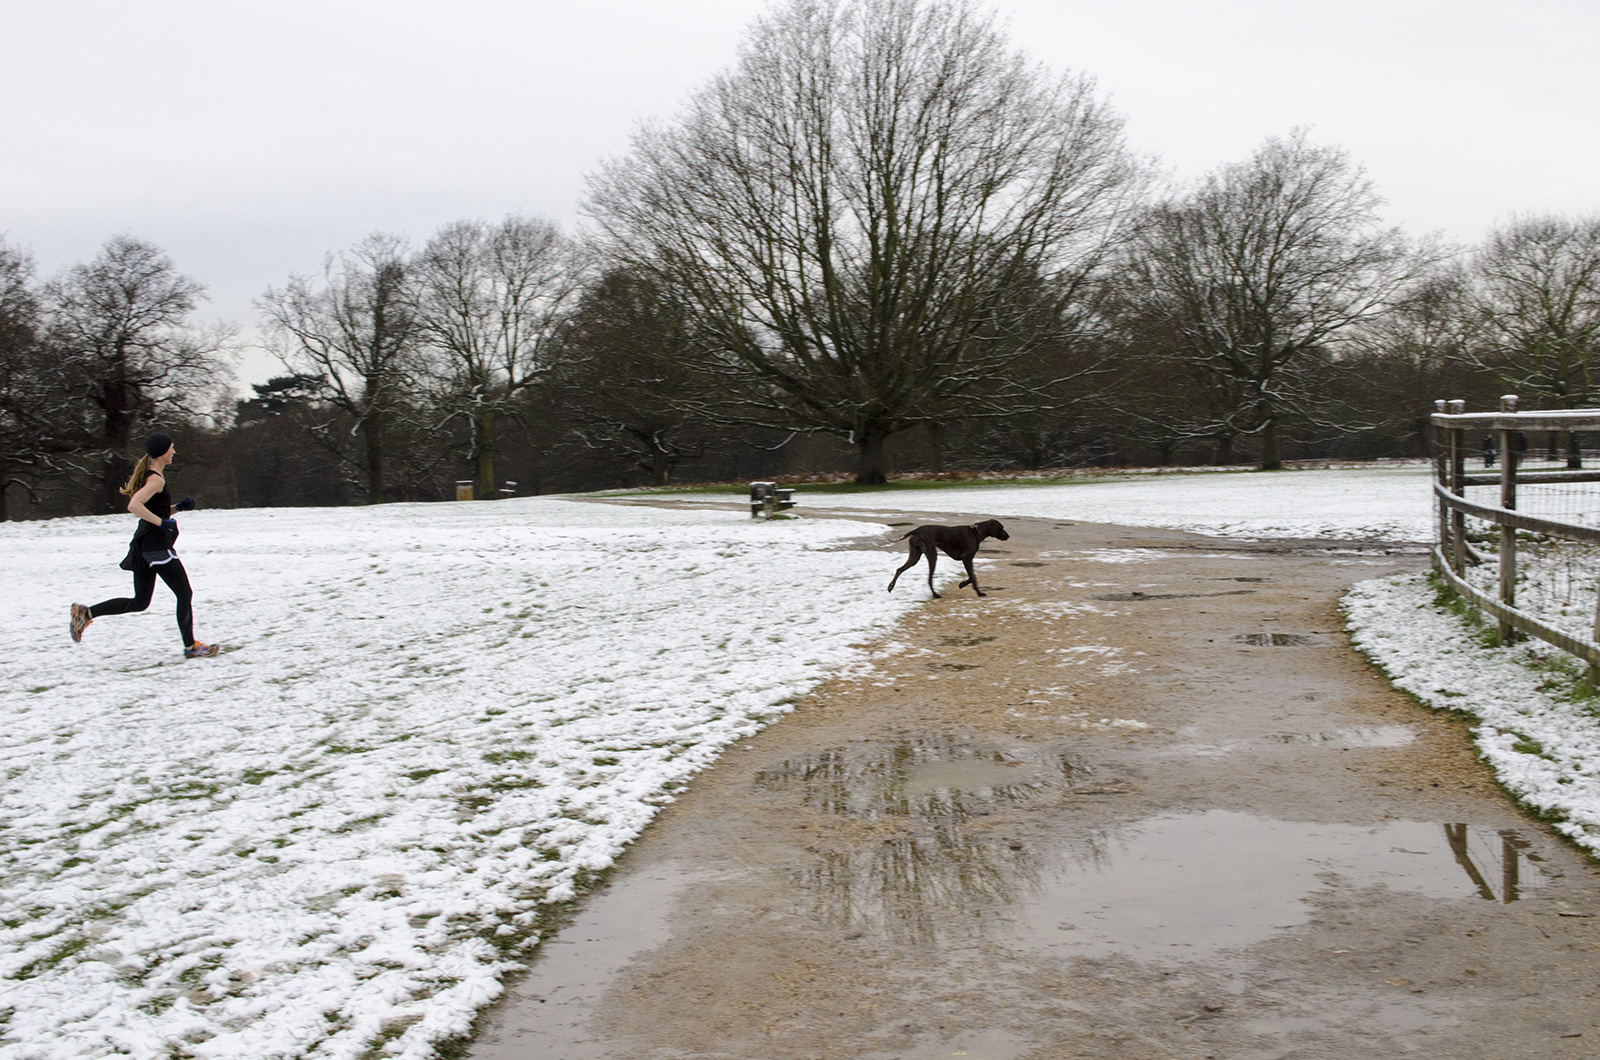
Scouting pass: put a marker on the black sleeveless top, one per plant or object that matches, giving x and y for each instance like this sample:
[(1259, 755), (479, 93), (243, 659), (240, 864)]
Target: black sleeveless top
[(161, 504)]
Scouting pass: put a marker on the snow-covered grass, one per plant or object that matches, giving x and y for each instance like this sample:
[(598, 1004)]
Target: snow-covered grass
[(1391, 502), (1537, 725), (430, 723)]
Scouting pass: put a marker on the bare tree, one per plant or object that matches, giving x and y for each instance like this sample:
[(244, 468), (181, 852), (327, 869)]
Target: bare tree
[(1401, 361), (357, 331), (1535, 294), (488, 297), (1260, 272), (860, 216), (26, 421), (118, 329)]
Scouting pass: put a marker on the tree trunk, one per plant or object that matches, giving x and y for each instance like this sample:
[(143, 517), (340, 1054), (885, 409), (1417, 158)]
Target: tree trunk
[(873, 468), (483, 455), (1271, 447), (936, 447), (120, 406), (1222, 450), (1574, 449), (660, 466), (373, 437)]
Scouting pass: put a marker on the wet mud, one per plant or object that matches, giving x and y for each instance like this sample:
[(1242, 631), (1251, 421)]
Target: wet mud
[(1116, 809)]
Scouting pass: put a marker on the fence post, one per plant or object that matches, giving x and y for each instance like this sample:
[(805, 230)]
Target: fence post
[(1508, 534), (1441, 456), (1594, 667), (1458, 471)]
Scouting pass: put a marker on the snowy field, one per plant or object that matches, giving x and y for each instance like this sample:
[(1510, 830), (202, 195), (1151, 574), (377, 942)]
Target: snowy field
[(427, 721), (1388, 502), (1544, 743)]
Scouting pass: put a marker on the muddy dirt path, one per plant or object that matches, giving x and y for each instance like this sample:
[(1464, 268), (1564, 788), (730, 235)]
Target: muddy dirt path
[(1143, 801)]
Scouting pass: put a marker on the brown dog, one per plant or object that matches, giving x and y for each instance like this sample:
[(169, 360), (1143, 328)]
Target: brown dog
[(957, 542)]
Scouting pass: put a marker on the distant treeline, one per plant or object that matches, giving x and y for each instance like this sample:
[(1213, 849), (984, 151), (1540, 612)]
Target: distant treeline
[(884, 241)]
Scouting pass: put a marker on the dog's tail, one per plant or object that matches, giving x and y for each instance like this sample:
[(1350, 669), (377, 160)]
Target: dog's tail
[(905, 535)]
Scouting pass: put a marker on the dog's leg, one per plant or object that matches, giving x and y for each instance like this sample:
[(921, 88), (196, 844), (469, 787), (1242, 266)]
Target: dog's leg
[(933, 558), (916, 554), (972, 579)]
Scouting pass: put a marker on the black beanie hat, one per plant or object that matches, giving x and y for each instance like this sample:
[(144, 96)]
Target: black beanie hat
[(157, 444)]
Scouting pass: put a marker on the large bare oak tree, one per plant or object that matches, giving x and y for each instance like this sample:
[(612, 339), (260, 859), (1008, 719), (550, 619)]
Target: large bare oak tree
[(861, 216)]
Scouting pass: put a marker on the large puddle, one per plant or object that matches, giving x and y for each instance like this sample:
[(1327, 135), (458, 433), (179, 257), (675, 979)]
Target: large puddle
[(1168, 887), (932, 854), (1189, 886)]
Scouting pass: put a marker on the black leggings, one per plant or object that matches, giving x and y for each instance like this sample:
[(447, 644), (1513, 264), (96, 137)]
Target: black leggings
[(144, 585)]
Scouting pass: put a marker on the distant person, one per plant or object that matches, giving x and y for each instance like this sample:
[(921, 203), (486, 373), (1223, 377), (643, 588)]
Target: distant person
[(151, 552), (1488, 451)]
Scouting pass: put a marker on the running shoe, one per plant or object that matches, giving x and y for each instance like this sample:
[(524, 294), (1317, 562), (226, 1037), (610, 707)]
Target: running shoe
[(80, 621), (198, 650)]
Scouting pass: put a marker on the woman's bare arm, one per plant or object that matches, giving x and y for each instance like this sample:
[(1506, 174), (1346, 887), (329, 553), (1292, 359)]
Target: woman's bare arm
[(136, 503)]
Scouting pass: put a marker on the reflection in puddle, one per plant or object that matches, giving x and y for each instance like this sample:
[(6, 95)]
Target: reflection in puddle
[(927, 778), (920, 888), (1184, 887), (1277, 640), (933, 863), (1495, 868)]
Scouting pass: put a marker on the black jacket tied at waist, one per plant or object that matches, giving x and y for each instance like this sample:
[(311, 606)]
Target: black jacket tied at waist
[(151, 546)]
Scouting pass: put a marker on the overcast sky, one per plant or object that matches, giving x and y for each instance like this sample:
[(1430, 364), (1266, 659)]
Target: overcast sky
[(248, 140)]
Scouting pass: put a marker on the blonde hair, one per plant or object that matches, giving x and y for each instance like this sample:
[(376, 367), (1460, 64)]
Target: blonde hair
[(135, 480)]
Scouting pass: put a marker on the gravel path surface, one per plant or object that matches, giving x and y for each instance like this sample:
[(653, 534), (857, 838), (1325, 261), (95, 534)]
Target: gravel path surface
[(1142, 801)]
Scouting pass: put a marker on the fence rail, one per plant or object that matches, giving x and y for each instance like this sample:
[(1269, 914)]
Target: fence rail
[(1454, 554)]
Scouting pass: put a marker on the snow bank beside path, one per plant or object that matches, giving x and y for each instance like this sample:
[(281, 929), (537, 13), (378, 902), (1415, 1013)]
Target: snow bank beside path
[(1544, 747), (430, 720), (1392, 502)]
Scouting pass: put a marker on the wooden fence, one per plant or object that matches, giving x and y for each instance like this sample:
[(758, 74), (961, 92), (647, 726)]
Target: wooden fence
[(1454, 553)]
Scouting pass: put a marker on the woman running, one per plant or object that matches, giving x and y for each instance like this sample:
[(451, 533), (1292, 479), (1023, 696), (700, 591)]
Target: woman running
[(151, 552)]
